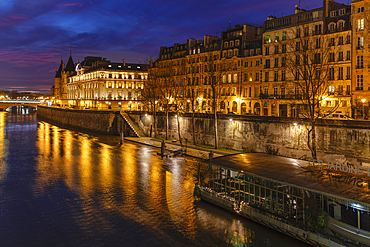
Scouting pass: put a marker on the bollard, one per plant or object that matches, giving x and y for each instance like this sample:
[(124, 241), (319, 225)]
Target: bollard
[(122, 136), (163, 147), (210, 155)]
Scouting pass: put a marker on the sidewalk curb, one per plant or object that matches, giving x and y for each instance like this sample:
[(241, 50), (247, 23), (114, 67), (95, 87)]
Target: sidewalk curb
[(199, 148), (175, 144)]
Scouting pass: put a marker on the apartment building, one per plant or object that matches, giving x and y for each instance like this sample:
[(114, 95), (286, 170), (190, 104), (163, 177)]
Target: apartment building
[(292, 45), (212, 72), (360, 57)]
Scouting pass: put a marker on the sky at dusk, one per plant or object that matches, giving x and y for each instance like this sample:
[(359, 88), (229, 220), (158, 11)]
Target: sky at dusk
[(36, 34)]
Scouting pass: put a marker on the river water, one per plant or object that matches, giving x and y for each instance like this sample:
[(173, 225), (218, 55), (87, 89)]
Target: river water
[(60, 187)]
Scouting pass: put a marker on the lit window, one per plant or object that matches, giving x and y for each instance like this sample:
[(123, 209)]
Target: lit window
[(360, 24), (268, 38)]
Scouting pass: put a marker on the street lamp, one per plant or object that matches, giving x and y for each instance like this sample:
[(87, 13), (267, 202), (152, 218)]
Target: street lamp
[(363, 107)]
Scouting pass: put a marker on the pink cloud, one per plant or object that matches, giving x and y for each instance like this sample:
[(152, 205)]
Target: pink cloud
[(27, 58), (12, 20), (70, 4)]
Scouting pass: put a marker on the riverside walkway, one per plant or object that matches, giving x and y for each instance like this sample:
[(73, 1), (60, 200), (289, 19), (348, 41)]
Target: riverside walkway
[(191, 150)]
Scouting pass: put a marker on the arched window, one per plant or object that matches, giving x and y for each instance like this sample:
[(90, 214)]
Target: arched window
[(341, 25), (331, 27), (243, 108), (235, 107), (257, 108)]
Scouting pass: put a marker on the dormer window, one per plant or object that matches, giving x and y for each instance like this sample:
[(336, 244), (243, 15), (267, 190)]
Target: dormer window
[(226, 44), (231, 43), (361, 9)]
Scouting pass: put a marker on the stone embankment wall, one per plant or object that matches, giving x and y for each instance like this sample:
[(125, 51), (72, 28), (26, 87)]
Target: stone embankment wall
[(107, 122), (338, 141)]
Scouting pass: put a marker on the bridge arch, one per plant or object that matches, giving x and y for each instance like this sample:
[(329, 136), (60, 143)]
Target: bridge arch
[(24, 109), (6, 104)]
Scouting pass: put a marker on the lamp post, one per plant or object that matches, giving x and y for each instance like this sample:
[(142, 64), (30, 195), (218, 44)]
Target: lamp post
[(363, 108)]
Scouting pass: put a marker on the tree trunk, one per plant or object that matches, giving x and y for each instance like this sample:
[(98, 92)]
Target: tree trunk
[(193, 116), (178, 130), (314, 141), (216, 134), (167, 125), (155, 121), (311, 140)]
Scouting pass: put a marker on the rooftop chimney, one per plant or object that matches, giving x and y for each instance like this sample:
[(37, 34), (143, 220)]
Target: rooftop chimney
[(124, 62), (297, 9)]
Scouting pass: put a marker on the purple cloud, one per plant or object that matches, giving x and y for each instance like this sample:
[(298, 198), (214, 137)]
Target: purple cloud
[(34, 36)]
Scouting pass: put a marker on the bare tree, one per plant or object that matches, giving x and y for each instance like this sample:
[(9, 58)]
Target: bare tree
[(310, 70), (214, 72), (150, 94), (166, 90), (191, 94)]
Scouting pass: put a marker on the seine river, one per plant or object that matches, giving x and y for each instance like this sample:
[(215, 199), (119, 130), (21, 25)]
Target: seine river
[(59, 187)]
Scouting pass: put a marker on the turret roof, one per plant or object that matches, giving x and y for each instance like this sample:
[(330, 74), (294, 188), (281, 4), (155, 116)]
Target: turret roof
[(58, 74), (70, 65)]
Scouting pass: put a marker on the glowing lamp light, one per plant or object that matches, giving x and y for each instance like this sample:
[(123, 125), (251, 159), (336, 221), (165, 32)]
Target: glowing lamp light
[(295, 124), (146, 114), (230, 120), (363, 100)]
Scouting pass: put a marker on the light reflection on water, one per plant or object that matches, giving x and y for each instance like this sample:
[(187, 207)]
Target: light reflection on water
[(72, 189)]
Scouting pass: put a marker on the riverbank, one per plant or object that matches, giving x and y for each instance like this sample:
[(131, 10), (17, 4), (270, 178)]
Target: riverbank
[(343, 141), (191, 150)]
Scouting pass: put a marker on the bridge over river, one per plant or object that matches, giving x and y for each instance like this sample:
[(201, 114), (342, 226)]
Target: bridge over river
[(6, 104)]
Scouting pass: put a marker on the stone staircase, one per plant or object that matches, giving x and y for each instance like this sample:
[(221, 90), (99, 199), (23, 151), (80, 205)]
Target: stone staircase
[(132, 125)]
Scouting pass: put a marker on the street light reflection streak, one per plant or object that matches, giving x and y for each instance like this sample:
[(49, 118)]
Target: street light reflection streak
[(85, 169), (129, 176), (3, 147), (180, 207), (67, 160), (106, 167)]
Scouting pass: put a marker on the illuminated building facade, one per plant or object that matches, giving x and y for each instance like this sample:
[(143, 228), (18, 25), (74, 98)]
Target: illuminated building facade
[(325, 33), (101, 84), (360, 57), (197, 65)]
